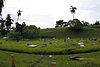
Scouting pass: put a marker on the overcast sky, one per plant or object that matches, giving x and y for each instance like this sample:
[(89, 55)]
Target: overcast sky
[(45, 13)]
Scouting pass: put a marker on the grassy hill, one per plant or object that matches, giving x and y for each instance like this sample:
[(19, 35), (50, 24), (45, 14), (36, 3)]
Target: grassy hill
[(87, 32), (60, 50)]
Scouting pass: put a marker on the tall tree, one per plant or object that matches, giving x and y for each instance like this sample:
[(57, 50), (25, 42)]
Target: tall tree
[(19, 27), (85, 23), (18, 14), (23, 24), (75, 24), (97, 23), (8, 22), (1, 5), (2, 25), (59, 23), (72, 10)]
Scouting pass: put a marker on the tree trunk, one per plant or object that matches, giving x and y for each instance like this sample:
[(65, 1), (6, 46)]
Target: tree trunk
[(73, 16)]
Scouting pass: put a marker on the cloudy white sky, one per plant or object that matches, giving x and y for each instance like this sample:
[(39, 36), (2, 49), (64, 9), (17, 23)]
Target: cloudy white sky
[(45, 13)]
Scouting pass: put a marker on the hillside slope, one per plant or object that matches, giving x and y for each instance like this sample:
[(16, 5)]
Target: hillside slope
[(87, 32)]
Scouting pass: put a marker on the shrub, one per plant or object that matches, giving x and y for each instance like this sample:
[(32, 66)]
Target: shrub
[(15, 35), (30, 32)]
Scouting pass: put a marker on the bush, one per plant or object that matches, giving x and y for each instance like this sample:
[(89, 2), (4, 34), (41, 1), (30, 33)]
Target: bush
[(15, 35), (75, 25), (30, 32)]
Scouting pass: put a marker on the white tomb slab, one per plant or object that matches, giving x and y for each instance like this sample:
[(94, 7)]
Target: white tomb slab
[(4, 37), (32, 46), (82, 45)]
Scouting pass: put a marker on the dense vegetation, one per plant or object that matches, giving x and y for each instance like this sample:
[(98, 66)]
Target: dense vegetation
[(62, 44), (86, 32)]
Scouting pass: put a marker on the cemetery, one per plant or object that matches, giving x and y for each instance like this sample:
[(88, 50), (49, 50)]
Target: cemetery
[(51, 50), (43, 34)]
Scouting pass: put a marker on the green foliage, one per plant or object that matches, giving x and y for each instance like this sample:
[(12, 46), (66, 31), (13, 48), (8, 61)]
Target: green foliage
[(72, 9), (30, 31), (0, 35), (2, 25), (86, 32), (75, 24), (59, 23), (52, 32), (24, 32), (8, 22), (19, 27), (3, 32), (15, 35), (97, 23), (2, 28), (85, 23)]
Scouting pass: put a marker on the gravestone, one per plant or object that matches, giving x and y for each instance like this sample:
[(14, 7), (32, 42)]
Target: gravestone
[(81, 44), (32, 46)]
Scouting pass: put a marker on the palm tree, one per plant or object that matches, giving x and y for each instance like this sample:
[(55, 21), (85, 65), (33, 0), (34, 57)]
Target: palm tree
[(18, 14), (1, 5), (72, 10), (8, 22), (2, 21)]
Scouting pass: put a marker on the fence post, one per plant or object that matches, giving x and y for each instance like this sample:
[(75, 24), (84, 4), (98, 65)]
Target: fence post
[(53, 64), (13, 60)]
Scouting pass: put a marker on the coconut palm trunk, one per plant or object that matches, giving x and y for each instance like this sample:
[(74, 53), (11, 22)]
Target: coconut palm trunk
[(73, 16), (17, 18)]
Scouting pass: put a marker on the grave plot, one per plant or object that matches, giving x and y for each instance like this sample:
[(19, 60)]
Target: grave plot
[(49, 46), (74, 60), (7, 59)]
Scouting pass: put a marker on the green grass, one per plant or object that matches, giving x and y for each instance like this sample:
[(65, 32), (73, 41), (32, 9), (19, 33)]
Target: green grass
[(57, 47), (89, 31), (31, 60), (94, 26), (64, 61), (22, 60)]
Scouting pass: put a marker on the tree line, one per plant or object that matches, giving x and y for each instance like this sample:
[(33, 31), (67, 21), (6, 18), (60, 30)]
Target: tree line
[(21, 31), (74, 22)]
